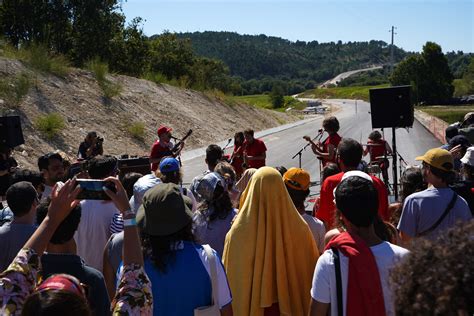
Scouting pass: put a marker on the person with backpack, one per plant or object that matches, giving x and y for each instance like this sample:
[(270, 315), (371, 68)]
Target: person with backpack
[(427, 213)]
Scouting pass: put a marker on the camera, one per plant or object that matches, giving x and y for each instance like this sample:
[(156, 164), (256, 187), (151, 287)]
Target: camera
[(100, 140)]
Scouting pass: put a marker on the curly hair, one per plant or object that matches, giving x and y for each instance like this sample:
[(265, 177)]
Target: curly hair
[(437, 277), (331, 124), (375, 136)]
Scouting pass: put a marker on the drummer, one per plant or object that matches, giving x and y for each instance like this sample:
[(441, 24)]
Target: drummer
[(379, 151)]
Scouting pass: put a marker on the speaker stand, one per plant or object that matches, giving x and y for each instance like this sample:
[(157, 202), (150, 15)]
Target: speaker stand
[(394, 164)]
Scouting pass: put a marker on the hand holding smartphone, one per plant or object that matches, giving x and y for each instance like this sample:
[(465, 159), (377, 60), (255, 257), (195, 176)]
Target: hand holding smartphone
[(92, 189)]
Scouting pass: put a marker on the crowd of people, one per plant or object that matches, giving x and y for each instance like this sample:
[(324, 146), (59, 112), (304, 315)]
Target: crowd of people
[(239, 240)]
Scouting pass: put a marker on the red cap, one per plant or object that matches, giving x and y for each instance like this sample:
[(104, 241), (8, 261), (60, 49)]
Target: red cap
[(62, 282), (164, 129)]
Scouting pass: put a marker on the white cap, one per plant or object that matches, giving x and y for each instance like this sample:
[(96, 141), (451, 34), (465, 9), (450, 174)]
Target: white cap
[(468, 158), (353, 173), (356, 173)]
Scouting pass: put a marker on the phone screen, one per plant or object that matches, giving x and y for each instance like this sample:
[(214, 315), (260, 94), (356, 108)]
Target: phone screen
[(92, 189)]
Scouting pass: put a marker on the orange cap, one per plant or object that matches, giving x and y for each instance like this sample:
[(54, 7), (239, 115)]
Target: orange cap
[(297, 178)]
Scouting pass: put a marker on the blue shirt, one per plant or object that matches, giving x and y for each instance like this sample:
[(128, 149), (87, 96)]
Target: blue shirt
[(185, 286)]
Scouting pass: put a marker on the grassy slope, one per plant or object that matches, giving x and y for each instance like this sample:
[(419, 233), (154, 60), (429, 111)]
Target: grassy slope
[(449, 114), (263, 101), (361, 93)]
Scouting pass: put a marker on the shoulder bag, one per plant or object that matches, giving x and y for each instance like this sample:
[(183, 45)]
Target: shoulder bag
[(212, 310), (441, 218)]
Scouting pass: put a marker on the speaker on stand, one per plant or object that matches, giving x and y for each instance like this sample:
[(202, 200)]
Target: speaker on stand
[(11, 134), (392, 107)]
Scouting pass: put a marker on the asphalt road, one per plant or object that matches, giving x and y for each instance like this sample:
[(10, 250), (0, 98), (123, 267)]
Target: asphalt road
[(347, 74), (355, 122)]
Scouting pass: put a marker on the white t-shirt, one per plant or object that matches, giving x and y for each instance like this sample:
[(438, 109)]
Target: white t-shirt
[(190, 195), (48, 190), (94, 230), (317, 229), (324, 278)]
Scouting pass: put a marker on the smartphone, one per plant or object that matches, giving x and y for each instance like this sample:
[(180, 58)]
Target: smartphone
[(92, 189)]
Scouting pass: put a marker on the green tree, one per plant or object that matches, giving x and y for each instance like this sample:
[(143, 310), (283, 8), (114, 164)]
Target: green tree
[(95, 24), (171, 56), (130, 50), (23, 21), (276, 96), (428, 73), (209, 73), (465, 85)]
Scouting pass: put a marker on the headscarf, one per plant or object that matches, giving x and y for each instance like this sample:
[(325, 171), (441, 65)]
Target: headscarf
[(207, 185), (244, 180), (269, 253)]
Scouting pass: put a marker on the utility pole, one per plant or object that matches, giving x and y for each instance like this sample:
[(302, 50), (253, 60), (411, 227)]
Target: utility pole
[(391, 48)]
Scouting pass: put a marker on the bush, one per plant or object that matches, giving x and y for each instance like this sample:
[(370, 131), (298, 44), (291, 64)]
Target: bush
[(13, 91), (156, 77), (38, 57), (50, 124), (137, 130), (110, 89), (100, 71)]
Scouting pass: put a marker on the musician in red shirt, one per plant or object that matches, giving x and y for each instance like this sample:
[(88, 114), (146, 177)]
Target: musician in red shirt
[(350, 155), (163, 147), (379, 149), (237, 158), (254, 150), (326, 151)]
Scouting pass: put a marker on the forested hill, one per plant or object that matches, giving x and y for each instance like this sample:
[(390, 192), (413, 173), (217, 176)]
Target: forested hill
[(259, 56)]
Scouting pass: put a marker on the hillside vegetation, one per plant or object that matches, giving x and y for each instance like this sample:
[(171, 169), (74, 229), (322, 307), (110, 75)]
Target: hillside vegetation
[(259, 60), (57, 112)]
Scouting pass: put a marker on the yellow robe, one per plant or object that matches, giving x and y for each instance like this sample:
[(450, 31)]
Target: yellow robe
[(269, 253)]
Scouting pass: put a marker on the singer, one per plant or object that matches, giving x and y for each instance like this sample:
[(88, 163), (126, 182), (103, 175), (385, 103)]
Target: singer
[(326, 150), (163, 147)]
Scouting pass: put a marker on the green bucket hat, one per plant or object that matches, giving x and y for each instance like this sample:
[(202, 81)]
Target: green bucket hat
[(164, 211)]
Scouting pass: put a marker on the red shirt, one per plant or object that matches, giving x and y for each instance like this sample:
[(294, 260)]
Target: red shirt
[(334, 140), (237, 161), (256, 148), (158, 151), (377, 151), (327, 208)]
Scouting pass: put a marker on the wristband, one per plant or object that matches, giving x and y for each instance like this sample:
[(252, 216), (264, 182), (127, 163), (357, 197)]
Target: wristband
[(128, 213), (129, 222)]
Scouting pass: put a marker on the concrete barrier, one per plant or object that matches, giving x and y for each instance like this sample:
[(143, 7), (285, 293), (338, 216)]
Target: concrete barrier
[(433, 124)]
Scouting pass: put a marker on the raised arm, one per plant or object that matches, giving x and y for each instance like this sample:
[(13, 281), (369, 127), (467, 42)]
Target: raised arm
[(134, 290)]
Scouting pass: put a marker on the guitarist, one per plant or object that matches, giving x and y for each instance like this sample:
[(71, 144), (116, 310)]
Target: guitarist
[(237, 158), (163, 147), (326, 151)]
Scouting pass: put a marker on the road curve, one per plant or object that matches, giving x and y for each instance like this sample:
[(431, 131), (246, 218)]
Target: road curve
[(344, 75)]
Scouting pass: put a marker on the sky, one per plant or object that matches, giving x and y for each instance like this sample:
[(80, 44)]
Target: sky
[(448, 23)]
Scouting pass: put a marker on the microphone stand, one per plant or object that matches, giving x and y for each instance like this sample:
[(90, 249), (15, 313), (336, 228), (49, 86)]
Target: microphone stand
[(300, 152), (400, 158), (225, 147)]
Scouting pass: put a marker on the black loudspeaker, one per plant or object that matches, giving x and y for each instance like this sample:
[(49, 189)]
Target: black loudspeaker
[(391, 107), (11, 134)]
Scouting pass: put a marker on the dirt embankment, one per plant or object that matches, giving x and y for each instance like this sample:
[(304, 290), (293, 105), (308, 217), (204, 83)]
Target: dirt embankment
[(79, 100)]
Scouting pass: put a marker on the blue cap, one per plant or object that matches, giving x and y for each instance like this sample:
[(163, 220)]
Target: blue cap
[(169, 165)]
